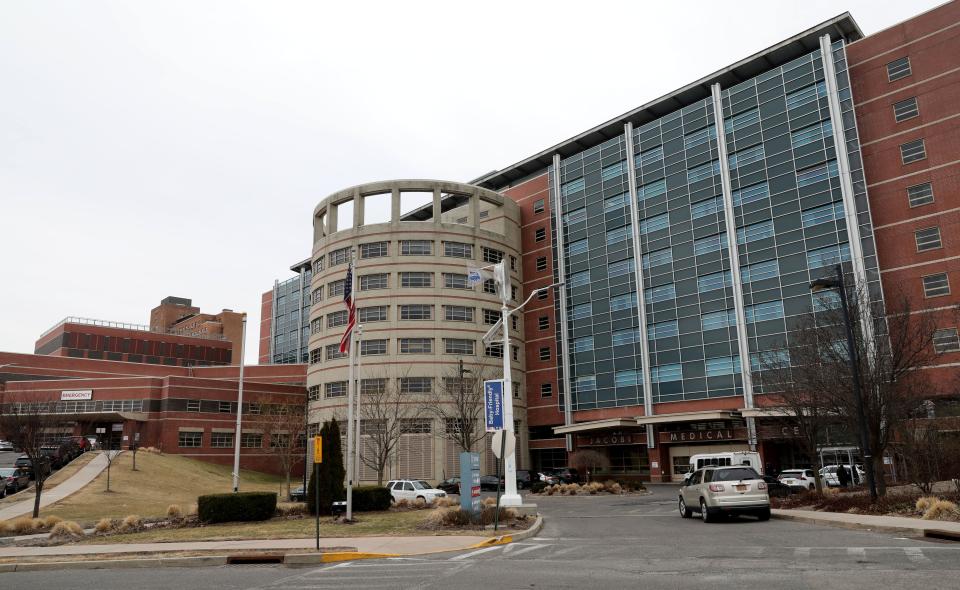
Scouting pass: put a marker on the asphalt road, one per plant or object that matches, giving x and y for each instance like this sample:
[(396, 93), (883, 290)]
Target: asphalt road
[(8, 458), (596, 543)]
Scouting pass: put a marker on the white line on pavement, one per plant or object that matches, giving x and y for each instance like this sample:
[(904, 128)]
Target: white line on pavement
[(859, 552), (801, 552), (472, 553), (527, 549), (915, 554)]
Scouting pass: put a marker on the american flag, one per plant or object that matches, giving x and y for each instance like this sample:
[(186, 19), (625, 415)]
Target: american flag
[(351, 310)]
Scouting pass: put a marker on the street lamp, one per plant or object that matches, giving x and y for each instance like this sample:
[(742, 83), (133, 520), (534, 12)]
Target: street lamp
[(838, 284)]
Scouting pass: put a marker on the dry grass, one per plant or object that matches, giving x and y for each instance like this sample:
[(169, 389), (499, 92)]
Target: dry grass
[(131, 524), (174, 512), (941, 510), (66, 530), (160, 480), (105, 525)]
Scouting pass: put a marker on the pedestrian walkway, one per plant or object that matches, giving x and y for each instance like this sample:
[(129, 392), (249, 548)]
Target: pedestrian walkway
[(866, 521), (70, 486)]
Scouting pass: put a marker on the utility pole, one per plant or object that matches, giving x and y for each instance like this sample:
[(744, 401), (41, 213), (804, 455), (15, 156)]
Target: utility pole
[(236, 438)]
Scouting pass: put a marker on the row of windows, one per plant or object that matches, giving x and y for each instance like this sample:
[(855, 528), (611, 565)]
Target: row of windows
[(412, 312), (379, 346), (193, 439), (411, 248), (405, 385), (408, 280)]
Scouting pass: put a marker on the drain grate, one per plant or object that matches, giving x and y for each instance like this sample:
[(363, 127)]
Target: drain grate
[(254, 559), (941, 534)]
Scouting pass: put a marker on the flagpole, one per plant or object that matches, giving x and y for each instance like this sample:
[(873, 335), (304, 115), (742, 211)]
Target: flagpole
[(356, 463), (350, 391)]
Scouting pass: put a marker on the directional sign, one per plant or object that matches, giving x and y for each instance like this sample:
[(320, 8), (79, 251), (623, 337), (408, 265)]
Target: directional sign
[(493, 404), (470, 482), (318, 449)]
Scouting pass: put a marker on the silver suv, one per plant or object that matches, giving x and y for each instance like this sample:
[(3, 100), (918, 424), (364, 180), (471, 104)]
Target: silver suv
[(717, 491)]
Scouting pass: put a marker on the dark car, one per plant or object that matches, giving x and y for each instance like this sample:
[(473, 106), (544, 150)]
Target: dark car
[(523, 479), (567, 475), (12, 480), (25, 464), (776, 488), (297, 494), (450, 485), (489, 482), (55, 455)]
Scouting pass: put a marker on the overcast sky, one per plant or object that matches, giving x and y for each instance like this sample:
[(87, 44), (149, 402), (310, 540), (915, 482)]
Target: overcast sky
[(178, 148)]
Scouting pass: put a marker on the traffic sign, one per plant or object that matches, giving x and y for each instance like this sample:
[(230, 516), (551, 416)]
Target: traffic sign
[(474, 276), (506, 439), (493, 404), (318, 449)]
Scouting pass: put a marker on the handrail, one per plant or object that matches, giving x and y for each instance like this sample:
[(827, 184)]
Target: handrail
[(128, 326)]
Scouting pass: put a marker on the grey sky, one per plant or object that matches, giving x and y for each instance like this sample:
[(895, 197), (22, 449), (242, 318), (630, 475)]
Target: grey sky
[(179, 147)]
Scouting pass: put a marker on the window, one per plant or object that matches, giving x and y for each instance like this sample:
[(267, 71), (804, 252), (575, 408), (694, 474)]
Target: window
[(823, 214), (193, 405), (936, 285), (458, 346), (581, 311), (913, 151), (313, 393), (190, 440), (491, 316), (373, 386), (620, 268), (416, 247), (662, 330), (759, 271), (416, 312), (458, 313), (806, 94), (657, 222), (575, 216), (620, 234), (582, 344), (224, 408), (718, 319), (457, 250), (374, 250), (572, 187), (513, 262), (332, 352), (416, 384), (703, 171), (753, 232), (491, 254), (763, 311), (484, 214), (494, 350), (416, 346), (335, 389), (585, 383), (416, 279), (513, 292), (725, 365), (898, 68), (815, 174), (905, 109), (335, 288), (657, 257), (616, 203), (741, 120), (626, 378), (622, 302), (666, 373), (828, 256), (221, 440), (653, 189), (749, 194), (621, 337), (337, 318), (612, 171), (770, 359), (546, 390), (747, 156), (376, 313), (695, 138), (543, 323), (538, 206), (578, 247), (341, 256), (545, 353), (661, 293), (374, 281), (453, 280), (709, 243), (316, 355), (317, 295), (708, 207), (717, 280), (251, 440), (543, 293), (927, 239), (826, 300), (812, 133), (318, 265), (579, 279), (650, 156), (920, 194), (540, 234), (490, 286), (541, 263), (373, 347), (946, 340)]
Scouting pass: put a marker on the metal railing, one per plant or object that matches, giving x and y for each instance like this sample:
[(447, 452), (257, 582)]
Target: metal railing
[(128, 326)]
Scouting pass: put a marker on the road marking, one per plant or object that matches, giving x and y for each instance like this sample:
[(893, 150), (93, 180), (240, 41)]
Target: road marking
[(915, 554), (528, 549), (564, 551), (858, 552), (472, 553), (801, 552)]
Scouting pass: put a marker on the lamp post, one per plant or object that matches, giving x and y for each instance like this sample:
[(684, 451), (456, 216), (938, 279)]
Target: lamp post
[(837, 283), (236, 437)]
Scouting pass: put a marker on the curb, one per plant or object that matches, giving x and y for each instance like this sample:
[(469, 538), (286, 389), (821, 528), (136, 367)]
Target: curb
[(513, 537), (849, 525)]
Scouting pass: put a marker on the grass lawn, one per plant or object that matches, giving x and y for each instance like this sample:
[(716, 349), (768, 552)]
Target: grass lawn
[(369, 524), (160, 480)]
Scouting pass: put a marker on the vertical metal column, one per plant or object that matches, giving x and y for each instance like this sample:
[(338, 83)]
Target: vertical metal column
[(846, 188), (273, 320), (562, 278), (638, 274), (300, 320), (734, 253)]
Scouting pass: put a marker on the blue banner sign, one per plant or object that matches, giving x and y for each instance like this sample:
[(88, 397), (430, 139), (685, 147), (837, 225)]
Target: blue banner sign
[(493, 404), (470, 482)]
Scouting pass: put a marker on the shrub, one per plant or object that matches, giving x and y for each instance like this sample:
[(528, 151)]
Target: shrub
[(66, 529), (371, 498), (537, 487), (488, 513), (51, 521), (104, 525), (488, 501), (243, 506), (924, 503), (331, 471), (131, 523), (615, 488), (941, 510), (22, 526), (174, 512), (291, 509), (444, 502)]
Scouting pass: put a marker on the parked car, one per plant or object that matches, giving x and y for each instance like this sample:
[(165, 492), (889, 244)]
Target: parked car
[(776, 488), (413, 490), (523, 479), (451, 485), (830, 474), (12, 480), (55, 454), (6, 445), (798, 479), (489, 483), (548, 477), (23, 462), (567, 475), (749, 458), (724, 491), (298, 494)]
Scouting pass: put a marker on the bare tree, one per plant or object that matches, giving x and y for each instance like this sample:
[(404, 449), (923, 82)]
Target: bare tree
[(28, 425), (457, 401), (286, 428), (589, 462), (922, 452), (383, 412)]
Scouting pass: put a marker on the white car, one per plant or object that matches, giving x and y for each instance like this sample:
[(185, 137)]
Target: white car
[(798, 479), (6, 445), (413, 490), (829, 475), (724, 491)]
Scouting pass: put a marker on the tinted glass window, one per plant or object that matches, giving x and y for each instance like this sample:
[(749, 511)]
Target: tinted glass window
[(734, 474)]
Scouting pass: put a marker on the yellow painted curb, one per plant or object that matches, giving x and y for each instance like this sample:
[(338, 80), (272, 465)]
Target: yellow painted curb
[(352, 555), (501, 540)]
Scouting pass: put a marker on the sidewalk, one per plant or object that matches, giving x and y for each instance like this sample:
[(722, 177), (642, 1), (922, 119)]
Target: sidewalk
[(888, 524), (81, 478)]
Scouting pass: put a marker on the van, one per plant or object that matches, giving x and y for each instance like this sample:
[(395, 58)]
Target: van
[(729, 458)]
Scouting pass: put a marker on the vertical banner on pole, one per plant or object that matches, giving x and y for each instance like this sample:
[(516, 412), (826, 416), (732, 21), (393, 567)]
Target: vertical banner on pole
[(317, 460), (493, 404), (470, 482)]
